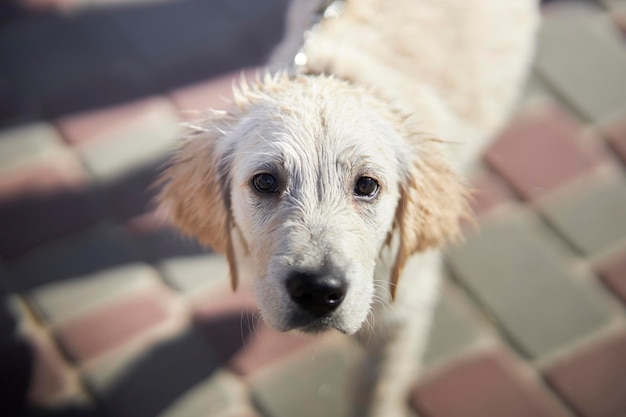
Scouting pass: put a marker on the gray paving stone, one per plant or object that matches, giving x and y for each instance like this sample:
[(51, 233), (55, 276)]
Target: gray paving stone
[(193, 273), (582, 55), (527, 280), (100, 247), (222, 394), (592, 215), (26, 143), (456, 328), (147, 384), (313, 383), (61, 300), (614, 4)]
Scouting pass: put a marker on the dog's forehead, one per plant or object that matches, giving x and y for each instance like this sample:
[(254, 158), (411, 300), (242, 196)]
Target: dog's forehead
[(340, 130)]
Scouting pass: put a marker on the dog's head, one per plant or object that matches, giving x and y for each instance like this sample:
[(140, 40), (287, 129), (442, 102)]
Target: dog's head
[(313, 177)]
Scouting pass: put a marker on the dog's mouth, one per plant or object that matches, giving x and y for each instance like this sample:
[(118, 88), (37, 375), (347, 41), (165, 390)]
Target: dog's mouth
[(307, 323)]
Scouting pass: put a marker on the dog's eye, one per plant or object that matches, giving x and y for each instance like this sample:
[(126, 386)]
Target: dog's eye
[(265, 183), (366, 187)]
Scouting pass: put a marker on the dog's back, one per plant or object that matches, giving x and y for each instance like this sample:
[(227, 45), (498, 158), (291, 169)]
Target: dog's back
[(455, 65)]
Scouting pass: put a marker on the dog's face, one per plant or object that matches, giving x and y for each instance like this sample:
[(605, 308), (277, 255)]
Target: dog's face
[(312, 178)]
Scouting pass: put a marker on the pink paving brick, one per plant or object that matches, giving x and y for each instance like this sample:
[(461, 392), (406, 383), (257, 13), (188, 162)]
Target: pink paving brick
[(485, 384), (489, 192), (236, 331), (113, 122), (619, 17), (148, 223), (214, 94), (593, 380), (612, 271), (113, 325), (540, 151), (615, 133), (46, 176)]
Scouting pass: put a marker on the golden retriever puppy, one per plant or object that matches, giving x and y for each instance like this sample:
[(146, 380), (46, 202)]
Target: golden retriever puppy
[(334, 184)]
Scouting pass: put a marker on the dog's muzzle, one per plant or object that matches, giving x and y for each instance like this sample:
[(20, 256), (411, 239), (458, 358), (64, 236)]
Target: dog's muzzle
[(316, 294)]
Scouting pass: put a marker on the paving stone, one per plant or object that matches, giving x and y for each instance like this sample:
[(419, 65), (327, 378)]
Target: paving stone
[(540, 152), (236, 331), (220, 395), (267, 347), (615, 132), (456, 328), (619, 17), (593, 380), (116, 140), (47, 176), (93, 249), (522, 276), (264, 23), (34, 219), (591, 76), (134, 193), (17, 355), (161, 241), (27, 143), (52, 380), (489, 193), (151, 381), (228, 320), (614, 4), (114, 123), (209, 42), (59, 301), (193, 101), (315, 382), (195, 273), (80, 72), (492, 383), (612, 271), (35, 360), (43, 198), (110, 326), (591, 214)]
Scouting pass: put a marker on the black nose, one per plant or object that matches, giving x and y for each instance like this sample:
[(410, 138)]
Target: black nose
[(318, 294)]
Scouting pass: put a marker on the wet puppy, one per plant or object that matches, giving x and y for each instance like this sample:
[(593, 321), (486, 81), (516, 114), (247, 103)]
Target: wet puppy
[(334, 185)]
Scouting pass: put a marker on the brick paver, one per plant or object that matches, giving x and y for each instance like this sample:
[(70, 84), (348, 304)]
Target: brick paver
[(615, 132), (106, 311), (91, 250), (28, 142), (592, 379), (457, 328), (72, 297), (312, 383), (492, 383), (588, 216), (524, 268), (540, 151), (592, 76), (612, 271), (145, 384), (108, 327), (195, 273)]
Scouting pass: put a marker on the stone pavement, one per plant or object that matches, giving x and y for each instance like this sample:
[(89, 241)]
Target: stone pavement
[(107, 312)]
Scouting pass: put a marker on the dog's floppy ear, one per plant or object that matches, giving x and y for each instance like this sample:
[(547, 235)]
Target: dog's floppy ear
[(433, 201), (195, 187)]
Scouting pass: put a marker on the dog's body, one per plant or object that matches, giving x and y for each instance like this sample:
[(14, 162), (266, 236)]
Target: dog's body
[(322, 188)]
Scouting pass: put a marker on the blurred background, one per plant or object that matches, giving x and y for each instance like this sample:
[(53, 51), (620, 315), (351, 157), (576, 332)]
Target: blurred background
[(105, 311)]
